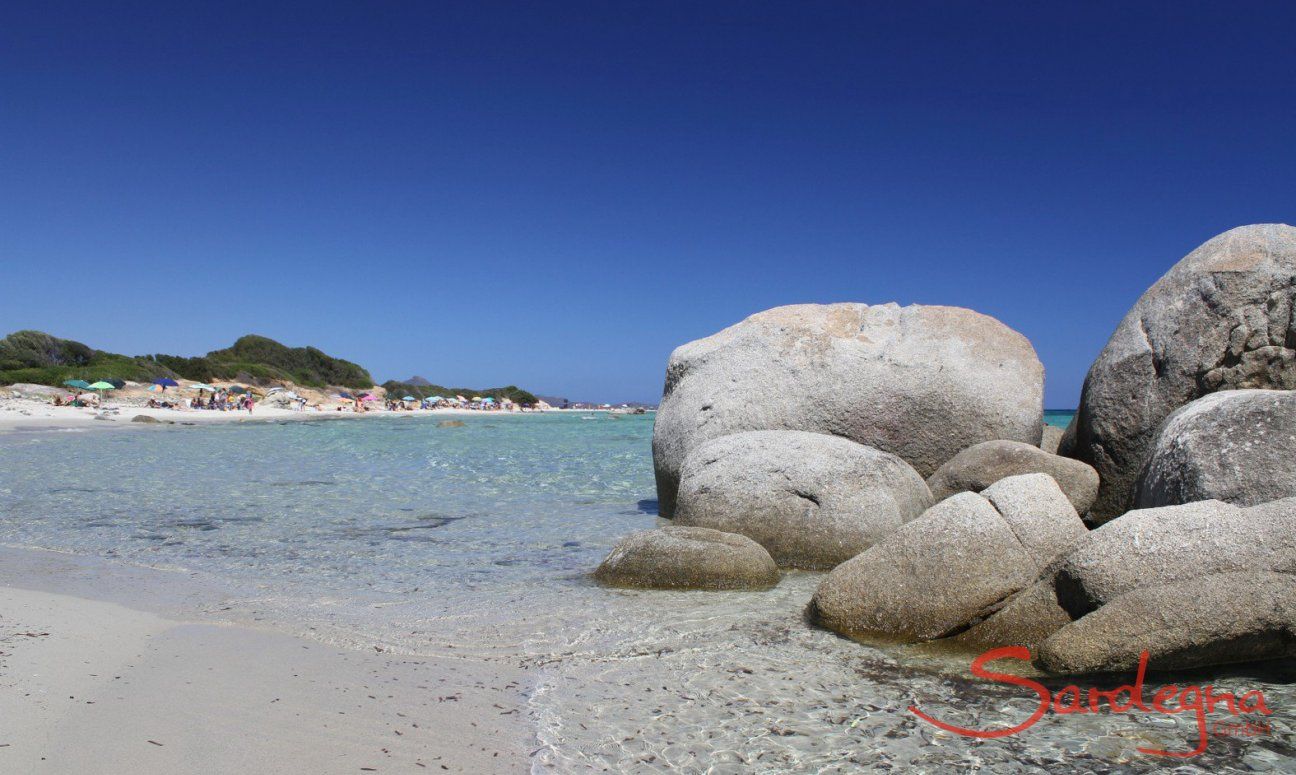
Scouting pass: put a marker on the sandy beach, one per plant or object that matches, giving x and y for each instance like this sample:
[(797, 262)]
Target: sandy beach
[(95, 685), (27, 414)]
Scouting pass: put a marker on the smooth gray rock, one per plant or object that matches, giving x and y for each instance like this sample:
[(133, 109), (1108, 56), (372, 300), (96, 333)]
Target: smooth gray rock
[(920, 382), (675, 557), (938, 574), (1172, 544), (1051, 438), (1220, 319), (144, 418), (981, 465), (813, 501), (1237, 446), (1210, 620)]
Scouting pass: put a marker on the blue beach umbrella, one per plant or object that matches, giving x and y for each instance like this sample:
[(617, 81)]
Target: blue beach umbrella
[(408, 398), (345, 395), (166, 382)]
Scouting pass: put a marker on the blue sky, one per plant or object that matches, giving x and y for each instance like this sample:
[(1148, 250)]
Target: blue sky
[(557, 194)]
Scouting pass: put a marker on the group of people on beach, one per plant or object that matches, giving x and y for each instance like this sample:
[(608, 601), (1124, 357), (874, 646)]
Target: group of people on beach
[(222, 400)]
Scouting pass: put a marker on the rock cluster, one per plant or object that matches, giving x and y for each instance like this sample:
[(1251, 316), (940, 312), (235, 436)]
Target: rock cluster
[(813, 501), (920, 382), (936, 575), (1220, 319), (801, 437)]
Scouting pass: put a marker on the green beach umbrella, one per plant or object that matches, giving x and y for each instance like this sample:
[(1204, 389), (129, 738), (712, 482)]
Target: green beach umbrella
[(101, 385), (408, 398), (79, 384)]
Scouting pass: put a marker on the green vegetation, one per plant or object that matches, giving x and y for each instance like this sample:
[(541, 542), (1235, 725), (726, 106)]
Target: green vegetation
[(37, 357), (264, 360), (34, 356), (512, 392)]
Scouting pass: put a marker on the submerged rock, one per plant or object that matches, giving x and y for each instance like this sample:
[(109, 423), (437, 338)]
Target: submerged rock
[(981, 465), (676, 557), (1238, 446), (1175, 544), (1220, 319), (920, 382), (813, 501), (938, 574), (451, 424), (1216, 619)]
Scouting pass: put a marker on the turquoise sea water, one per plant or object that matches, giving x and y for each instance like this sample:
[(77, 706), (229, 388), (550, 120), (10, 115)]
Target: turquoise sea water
[(1060, 418), (478, 541)]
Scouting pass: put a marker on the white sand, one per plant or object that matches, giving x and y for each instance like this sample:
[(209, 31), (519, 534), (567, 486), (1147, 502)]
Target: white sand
[(89, 686), (17, 414)]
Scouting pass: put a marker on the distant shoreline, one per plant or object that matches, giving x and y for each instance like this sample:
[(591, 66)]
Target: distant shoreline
[(31, 415)]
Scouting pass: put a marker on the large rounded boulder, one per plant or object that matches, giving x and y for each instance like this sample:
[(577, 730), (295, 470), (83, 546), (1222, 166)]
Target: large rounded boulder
[(1217, 619), (981, 465), (687, 558), (920, 382), (1238, 446), (813, 501), (1175, 544), (1220, 319), (949, 568)]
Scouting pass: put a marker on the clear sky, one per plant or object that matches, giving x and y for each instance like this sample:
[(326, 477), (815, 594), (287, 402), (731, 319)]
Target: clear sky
[(557, 194)]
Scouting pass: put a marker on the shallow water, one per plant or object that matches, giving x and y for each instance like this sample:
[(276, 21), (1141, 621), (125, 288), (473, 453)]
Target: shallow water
[(477, 540)]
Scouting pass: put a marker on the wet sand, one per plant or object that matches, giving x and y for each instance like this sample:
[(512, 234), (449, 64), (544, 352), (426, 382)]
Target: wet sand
[(94, 686)]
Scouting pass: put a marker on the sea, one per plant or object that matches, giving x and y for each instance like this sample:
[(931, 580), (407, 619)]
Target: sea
[(477, 541), (1058, 418)]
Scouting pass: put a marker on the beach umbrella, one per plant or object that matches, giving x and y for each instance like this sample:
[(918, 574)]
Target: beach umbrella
[(435, 398), (367, 397), (488, 400), (117, 384), (102, 385), (154, 388), (79, 384), (166, 382), (274, 390), (202, 386), (460, 399), (345, 395), (408, 398), (238, 389)]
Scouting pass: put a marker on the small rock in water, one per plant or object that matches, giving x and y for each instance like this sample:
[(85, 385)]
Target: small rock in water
[(688, 558)]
